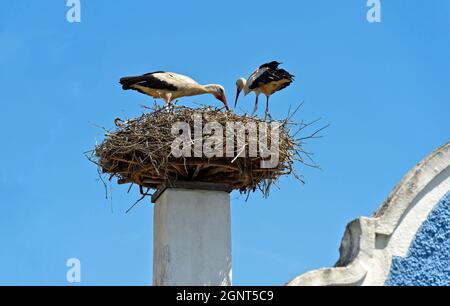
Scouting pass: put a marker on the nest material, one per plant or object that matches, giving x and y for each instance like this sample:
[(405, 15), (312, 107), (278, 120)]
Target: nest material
[(139, 152)]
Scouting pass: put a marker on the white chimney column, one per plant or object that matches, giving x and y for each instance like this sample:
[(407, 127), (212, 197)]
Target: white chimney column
[(192, 236)]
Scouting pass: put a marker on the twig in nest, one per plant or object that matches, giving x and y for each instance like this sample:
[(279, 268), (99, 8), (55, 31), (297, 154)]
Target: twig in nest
[(138, 201), (103, 181)]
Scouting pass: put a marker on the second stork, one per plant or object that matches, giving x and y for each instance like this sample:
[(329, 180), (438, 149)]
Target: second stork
[(267, 79)]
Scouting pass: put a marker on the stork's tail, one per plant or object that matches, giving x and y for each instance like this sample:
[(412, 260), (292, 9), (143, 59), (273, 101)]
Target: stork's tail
[(127, 82)]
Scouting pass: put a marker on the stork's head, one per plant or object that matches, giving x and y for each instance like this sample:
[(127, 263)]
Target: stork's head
[(240, 84), (219, 92)]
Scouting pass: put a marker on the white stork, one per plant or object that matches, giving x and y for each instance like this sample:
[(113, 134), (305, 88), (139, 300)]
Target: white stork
[(267, 79), (170, 86)]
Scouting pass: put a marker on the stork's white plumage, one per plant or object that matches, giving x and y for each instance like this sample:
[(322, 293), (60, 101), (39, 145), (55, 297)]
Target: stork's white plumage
[(267, 79), (170, 86)]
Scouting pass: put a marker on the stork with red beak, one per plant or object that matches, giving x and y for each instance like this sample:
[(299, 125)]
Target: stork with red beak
[(170, 86), (267, 79)]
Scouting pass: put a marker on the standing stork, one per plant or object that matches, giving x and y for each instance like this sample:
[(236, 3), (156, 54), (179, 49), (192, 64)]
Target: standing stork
[(170, 86), (267, 79)]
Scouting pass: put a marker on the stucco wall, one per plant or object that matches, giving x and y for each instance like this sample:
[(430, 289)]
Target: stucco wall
[(428, 261)]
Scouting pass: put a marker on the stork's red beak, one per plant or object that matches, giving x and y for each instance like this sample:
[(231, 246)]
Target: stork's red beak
[(224, 101)]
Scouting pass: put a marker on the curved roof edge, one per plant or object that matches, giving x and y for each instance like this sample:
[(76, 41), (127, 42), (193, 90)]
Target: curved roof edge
[(358, 244)]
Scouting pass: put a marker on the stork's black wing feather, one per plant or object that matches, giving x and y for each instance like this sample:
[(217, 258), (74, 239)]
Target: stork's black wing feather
[(273, 75), (272, 65), (283, 74), (287, 76), (265, 78), (154, 72), (147, 80)]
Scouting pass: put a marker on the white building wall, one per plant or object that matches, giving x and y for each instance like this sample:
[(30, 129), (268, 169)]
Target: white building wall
[(370, 244)]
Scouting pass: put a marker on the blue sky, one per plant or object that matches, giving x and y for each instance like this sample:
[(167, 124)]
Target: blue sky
[(382, 87)]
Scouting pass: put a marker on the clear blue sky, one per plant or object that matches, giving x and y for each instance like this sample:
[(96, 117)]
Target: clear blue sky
[(384, 88)]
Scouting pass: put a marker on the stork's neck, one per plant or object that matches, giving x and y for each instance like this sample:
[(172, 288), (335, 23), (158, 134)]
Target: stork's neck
[(209, 88), (194, 90), (197, 89)]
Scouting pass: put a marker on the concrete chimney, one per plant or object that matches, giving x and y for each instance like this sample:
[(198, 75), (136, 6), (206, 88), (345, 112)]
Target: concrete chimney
[(192, 235)]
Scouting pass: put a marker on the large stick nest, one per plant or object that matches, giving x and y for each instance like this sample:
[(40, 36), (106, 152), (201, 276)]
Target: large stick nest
[(139, 152)]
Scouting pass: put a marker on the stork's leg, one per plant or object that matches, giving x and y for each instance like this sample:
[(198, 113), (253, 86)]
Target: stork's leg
[(267, 109), (168, 100), (256, 104)]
